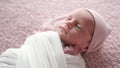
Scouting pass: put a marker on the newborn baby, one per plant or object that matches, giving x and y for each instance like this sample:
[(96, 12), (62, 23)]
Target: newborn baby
[(81, 31)]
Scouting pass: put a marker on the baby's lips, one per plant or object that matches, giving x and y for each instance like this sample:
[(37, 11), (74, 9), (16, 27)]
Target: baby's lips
[(70, 50)]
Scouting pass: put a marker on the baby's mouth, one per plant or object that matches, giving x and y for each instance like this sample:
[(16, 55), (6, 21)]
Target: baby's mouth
[(70, 49)]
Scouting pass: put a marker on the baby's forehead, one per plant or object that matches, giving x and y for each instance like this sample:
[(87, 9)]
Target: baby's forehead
[(81, 14)]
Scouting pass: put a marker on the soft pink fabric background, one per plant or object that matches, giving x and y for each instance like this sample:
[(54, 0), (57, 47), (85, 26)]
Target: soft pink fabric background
[(20, 18)]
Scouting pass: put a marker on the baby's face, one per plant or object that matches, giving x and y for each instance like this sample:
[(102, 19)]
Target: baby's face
[(76, 31)]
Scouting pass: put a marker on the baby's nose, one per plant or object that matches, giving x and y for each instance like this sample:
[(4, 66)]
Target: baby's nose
[(69, 24)]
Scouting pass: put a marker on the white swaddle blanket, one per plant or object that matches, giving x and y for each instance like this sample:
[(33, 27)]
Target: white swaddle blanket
[(42, 50)]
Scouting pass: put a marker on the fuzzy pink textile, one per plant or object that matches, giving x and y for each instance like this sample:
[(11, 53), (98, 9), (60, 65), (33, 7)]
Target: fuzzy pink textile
[(21, 18)]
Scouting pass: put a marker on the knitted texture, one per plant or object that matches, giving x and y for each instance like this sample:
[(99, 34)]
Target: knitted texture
[(21, 18)]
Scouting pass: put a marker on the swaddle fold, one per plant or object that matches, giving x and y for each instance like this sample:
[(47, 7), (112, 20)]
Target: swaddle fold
[(42, 50)]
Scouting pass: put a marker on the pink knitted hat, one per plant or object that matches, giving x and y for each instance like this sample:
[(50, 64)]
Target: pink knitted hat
[(101, 31)]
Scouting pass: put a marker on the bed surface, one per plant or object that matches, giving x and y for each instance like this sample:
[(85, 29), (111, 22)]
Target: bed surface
[(21, 18)]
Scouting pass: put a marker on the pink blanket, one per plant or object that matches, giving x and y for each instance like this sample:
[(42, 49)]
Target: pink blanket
[(21, 18)]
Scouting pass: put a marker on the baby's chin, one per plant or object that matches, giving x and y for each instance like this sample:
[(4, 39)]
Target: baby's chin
[(70, 50)]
